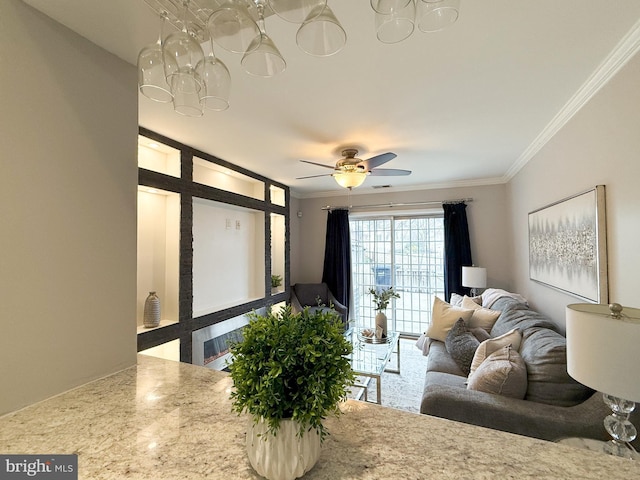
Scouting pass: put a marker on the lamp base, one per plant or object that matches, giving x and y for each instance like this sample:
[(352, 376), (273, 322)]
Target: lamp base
[(620, 428), (621, 449)]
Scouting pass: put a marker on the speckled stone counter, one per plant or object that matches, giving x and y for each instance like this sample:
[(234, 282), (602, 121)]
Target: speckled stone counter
[(167, 420)]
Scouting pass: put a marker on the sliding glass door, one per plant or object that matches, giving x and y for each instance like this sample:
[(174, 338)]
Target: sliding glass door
[(406, 253)]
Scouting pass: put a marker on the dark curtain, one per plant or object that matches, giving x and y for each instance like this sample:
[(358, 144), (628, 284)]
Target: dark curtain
[(337, 256), (457, 248)]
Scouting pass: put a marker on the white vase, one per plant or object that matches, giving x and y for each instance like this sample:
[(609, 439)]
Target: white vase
[(381, 322), (283, 456), (151, 314)]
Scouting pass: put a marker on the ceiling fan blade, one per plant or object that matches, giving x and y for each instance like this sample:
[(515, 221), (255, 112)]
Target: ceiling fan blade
[(314, 176), (389, 172), (378, 160), (319, 164)]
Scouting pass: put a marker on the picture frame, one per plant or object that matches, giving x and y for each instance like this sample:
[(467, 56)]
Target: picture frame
[(568, 245)]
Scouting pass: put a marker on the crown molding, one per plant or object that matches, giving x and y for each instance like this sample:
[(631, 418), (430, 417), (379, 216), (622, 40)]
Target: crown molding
[(618, 58), (624, 51)]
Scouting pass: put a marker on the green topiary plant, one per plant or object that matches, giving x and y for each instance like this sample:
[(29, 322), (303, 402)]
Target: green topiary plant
[(276, 281), (291, 366)]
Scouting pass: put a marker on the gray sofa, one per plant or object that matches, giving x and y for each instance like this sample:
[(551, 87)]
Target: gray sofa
[(555, 406)]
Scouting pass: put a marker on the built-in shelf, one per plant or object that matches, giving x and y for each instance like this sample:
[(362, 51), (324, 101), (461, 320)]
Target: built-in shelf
[(163, 323), (210, 235)]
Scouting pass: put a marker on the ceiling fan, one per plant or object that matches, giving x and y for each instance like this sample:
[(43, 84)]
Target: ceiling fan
[(351, 171)]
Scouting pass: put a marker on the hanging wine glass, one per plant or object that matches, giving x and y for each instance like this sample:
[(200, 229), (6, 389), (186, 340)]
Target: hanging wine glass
[(151, 77), (232, 27), (182, 53), (386, 7), (296, 11), (397, 25), (436, 15), (263, 58), (216, 82), (321, 33)]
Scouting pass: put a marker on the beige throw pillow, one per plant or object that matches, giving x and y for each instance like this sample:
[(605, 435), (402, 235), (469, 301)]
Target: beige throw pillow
[(502, 373), (486, 348), (443, 317), (482, 317)]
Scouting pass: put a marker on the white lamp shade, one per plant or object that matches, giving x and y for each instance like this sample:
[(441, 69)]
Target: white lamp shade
[(474, 277), (604, 352)]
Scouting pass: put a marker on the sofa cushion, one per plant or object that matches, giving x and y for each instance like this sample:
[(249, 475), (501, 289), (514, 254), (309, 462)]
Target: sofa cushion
[(522, 319), (443, 316), (508, 303), (439, 360), (461, 345), (480, 333), (433, 380), (482, 317), (491, 345), (545, 353), (502, 373)]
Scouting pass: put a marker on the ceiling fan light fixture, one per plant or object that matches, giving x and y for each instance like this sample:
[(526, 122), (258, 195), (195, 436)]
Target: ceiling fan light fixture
[(350, 179)]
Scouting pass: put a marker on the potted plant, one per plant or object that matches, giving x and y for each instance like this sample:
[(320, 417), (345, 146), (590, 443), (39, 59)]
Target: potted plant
[(381, 299), (276, 281), (289, 372)]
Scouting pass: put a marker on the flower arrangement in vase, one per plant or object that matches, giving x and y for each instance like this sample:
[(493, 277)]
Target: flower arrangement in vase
[(381, 299)]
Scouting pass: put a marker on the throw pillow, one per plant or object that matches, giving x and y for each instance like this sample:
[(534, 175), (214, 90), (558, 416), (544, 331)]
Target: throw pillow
[(456, 299), (461, 345), (482, 317), (443, 316), (486, 348), (502, 373)]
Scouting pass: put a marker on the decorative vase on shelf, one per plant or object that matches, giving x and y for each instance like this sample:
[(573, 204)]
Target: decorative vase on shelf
[(381, 323), (151, 311)]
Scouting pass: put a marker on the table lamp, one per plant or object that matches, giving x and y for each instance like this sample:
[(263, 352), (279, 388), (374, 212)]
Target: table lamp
[(603, 352), (474, 278)]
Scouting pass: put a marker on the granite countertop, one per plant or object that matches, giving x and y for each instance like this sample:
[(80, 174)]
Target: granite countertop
[(169, 420)]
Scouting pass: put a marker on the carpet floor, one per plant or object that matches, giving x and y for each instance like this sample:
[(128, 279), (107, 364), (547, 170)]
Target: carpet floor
[(404, 390)]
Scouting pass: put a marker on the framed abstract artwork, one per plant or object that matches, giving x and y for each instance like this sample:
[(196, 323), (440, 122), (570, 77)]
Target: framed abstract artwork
[(568, 245)]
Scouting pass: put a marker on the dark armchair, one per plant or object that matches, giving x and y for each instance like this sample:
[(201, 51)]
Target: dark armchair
[(307, 295)]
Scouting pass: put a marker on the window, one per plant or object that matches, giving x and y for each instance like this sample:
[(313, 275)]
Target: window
[(406, 253)]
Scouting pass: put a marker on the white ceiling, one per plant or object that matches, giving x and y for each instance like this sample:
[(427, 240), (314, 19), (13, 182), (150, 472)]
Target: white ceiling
[(465, 106)]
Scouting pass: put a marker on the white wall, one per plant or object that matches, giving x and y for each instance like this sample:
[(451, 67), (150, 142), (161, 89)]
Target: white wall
[(487, 216), (68, 179), (228, 256), (599, 145)]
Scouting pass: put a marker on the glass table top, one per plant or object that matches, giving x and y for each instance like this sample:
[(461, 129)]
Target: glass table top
[(368, 357)]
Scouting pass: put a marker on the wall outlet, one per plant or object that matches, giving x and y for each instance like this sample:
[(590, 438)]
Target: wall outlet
[(237, 224)]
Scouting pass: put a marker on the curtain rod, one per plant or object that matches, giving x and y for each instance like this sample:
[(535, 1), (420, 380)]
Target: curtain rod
[(392, 205)]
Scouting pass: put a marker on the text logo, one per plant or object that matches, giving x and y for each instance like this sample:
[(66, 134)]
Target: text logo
[(50, 467)]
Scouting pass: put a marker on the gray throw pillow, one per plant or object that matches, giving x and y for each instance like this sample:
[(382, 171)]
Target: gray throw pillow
[(461, 345)]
